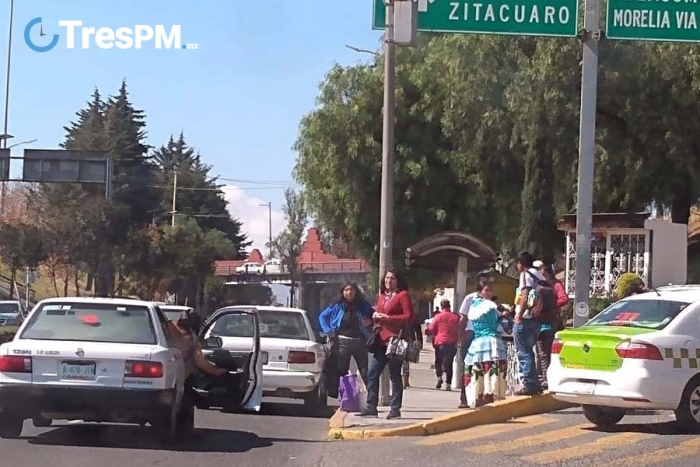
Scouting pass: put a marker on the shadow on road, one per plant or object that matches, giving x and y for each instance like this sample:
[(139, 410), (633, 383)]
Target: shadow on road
[(204, 440), (291, 410)]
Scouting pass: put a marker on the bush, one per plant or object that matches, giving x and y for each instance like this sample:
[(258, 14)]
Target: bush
[(627, 284), (7, 334)]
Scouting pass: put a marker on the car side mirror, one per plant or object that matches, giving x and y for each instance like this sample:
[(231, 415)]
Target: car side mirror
[(213, 342)]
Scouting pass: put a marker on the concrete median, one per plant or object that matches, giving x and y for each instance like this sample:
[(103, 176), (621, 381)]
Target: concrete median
[(498, 412)]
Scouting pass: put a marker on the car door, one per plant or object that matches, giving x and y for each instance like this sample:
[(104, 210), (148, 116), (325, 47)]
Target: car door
[(252, 399)]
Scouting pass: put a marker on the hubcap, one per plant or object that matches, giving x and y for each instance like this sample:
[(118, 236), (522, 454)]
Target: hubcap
[(695, 404)]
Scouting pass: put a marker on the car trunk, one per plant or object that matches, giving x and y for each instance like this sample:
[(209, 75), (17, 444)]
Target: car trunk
[(593, 347), (84, 363)]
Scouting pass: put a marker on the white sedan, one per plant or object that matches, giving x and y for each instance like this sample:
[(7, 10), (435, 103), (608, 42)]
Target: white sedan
[(250, 268), (293, 356), (102, 360)]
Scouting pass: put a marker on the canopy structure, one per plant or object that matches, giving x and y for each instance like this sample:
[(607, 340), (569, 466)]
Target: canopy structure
[(440, 252)]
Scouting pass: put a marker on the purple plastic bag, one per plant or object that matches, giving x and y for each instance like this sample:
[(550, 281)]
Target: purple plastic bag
[(348, 394)]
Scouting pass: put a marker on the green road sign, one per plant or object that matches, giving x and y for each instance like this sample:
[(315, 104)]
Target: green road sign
[(658, 20), (515, 17)]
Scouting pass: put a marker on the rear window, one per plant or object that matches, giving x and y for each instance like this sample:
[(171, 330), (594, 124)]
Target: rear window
[(9, 308), (91, 322), (652, 314), (277, 324)]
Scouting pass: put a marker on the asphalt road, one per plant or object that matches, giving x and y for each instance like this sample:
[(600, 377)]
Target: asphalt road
[(284, 436)]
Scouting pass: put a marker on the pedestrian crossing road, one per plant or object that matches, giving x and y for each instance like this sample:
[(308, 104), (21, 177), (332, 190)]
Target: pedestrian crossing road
[(567, 439)]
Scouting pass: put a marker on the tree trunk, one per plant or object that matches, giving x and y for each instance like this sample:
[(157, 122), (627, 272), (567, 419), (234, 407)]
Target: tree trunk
[(54, 278), (682, 201), (66, 281), (13, 277), (76, 279)]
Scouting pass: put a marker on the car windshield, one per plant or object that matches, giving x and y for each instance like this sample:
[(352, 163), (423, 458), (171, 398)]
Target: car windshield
[(276, 324), (652, 314), (9, 308), (91, 322)]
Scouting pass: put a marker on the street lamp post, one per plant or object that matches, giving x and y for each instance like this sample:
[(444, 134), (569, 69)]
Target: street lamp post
[(269, 207), (7, 73)]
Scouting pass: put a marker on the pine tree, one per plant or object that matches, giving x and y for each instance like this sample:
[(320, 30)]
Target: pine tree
[(199, 194)]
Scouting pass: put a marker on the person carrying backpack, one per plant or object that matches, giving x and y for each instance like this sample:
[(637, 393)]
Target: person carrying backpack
[(548, 329), (536, 305)]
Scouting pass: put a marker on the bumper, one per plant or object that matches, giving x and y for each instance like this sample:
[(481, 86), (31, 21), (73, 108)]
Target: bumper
[(292, 384), (633, 386), (89, 404)]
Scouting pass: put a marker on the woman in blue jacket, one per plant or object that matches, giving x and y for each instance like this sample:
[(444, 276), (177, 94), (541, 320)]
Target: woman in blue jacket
[(346, 322)]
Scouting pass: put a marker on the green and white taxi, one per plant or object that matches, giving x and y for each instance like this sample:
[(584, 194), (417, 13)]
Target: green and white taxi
[(642, 352)]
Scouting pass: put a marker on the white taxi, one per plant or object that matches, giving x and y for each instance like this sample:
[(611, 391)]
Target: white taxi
[(642, 352), (97, 360), (292, 354)]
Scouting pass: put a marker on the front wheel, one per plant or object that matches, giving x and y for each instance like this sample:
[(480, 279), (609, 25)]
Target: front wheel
[(10, 426), (604, 417), (688, 411)]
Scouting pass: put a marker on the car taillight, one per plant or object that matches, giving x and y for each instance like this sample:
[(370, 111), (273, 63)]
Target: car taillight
[(638, 351), (557, 344), (15, 364), (298, 357), (135, 369)]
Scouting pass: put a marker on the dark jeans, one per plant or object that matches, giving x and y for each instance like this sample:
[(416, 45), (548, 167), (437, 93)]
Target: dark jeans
[(544, 355), (444, 357), (345, 349), (376, 366), (525, 336)]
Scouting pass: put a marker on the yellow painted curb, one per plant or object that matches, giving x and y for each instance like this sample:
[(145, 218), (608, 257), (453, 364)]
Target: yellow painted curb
[(498, 412)]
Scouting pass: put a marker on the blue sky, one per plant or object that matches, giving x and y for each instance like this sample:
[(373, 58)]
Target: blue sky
[(238, 98)]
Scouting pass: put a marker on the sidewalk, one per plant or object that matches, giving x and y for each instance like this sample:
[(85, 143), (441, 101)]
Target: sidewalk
[(428, 411), (421, 402)]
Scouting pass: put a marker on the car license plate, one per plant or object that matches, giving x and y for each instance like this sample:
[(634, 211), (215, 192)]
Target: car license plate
[(264, 358), (78, 371), (585, 389)]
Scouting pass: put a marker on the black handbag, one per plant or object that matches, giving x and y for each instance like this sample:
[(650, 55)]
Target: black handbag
[(374, 342)]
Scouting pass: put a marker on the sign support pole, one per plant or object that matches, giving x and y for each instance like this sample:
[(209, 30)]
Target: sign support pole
[(586, 160), (386, 222)]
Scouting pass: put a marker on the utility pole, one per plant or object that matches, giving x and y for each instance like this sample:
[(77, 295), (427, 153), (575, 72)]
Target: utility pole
[(269, 208), (3, 195), (386, 222), (174, 213), (586, 159)]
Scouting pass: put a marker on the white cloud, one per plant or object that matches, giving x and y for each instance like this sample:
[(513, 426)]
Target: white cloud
[(254, 217)]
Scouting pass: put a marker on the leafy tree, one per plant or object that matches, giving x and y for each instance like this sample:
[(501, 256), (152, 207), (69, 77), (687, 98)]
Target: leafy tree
[(287, 245), (21, 246)]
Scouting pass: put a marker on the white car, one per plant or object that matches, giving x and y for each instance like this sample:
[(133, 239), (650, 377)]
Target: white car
[(10, 313), (292, 355), (642, 352), (273, 266), (250, 268), (100, 360)]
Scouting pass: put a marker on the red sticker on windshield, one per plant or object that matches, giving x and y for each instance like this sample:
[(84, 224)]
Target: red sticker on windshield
[(626, 316), (90, 319)]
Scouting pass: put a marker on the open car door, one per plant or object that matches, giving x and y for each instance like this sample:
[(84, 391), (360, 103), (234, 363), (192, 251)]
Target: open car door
[(237, 329)]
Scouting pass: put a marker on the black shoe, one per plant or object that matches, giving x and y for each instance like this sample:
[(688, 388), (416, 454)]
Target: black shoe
[(393, 415), (528, 392), (439, 384), (369, 413)]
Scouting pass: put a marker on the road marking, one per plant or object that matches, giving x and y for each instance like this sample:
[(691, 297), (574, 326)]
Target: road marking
[(660, 457), (547, 437), (485, 431), (607, 443)]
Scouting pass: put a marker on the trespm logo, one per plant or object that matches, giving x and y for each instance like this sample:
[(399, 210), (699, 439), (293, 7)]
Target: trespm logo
[(78, 36)]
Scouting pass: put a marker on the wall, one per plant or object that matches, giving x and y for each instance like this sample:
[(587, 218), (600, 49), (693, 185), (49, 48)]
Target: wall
[(669, 252)]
